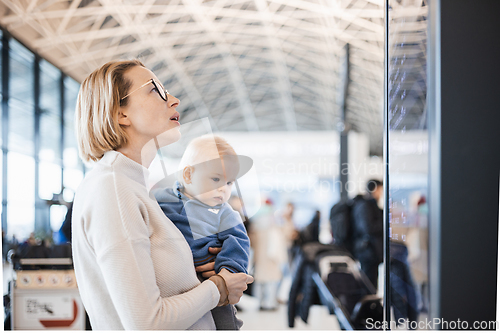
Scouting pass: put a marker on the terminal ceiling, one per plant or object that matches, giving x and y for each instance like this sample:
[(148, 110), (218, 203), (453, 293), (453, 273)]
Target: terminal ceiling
[(248, 65)]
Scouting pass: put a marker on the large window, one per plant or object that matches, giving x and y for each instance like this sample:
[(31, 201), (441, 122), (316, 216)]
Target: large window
[(73, 166), (39, 149), (50, 131)]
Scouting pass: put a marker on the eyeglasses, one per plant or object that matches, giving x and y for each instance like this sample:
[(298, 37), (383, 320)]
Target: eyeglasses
[(159, 89)]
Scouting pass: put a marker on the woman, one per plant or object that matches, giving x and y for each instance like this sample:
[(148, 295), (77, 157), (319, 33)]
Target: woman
[(134, 268)]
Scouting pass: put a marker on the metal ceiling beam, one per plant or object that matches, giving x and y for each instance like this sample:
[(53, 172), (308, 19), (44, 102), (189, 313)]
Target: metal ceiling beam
[(176, 69), (233, 69)]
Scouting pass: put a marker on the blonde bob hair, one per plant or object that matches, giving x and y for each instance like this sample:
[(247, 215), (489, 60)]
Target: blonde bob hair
[(97, 127)]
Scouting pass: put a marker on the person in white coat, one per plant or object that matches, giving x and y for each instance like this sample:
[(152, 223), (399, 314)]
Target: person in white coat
[(269, 245)]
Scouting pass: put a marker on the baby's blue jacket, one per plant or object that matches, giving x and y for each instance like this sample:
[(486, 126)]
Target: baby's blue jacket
[(204, 226)]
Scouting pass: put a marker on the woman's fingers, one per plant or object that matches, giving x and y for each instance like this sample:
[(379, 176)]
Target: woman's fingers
[(214, 250), (236, 284), (208, 270), (206, 267), (208, 274)]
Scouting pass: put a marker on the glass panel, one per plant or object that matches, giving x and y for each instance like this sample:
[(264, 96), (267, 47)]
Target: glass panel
[(21, 73), (50, 95), (73, 166), (50, 120), (21, 127), (72, 179), (50, 180), (408, 158), (21, 195), (1, 65), (57, 215), (1, 181), (71, 94), (50, 131), (1, 94)]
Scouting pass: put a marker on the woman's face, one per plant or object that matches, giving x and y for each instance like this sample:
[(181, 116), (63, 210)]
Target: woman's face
[(146, 114)]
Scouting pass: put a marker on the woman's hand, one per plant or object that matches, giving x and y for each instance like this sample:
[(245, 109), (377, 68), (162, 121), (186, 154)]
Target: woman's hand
[(236, 284), (207, 270)]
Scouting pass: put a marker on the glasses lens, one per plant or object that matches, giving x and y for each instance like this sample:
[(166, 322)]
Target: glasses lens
[(160, 90)]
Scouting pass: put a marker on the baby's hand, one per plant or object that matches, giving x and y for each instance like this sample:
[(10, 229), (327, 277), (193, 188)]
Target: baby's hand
[(207, 270)]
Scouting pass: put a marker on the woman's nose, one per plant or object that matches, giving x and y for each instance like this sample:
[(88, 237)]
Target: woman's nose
[(173, 101)]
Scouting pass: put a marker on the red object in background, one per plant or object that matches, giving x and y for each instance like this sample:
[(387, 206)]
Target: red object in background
[(62, 323)]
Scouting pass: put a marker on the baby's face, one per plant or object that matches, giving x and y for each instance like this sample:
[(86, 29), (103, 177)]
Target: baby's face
[(211, 182)]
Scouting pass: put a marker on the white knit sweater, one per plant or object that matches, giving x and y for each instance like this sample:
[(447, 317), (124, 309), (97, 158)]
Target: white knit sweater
[(133, 267)]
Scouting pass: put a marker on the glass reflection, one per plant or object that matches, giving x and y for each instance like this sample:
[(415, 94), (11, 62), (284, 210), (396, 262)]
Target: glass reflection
[(73, 167), (21, 195), (408, 159), (50, 132), (21, 73)]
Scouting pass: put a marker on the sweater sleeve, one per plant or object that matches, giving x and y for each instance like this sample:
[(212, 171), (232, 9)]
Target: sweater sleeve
[(235, 246), (123, 252)]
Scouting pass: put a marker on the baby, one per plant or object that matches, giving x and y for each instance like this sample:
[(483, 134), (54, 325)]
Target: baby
[(198, 206)]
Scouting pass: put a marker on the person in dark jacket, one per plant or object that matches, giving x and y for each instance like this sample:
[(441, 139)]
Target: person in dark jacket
[(310, 234), (368, 230)]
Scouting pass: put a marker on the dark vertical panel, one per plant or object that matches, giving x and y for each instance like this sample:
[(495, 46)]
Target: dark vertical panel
[(5, 125), (344, 131), (469, 159), (344, 165)]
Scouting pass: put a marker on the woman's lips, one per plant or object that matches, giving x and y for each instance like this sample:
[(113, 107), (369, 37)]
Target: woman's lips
[(175, 118)]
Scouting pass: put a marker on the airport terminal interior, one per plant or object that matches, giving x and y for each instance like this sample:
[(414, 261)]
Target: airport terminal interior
[(334, 106)]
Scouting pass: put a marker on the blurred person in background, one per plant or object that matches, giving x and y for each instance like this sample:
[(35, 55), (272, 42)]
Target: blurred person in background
[(368, 230), (269, 246), (289, 230), (310, 234), (291, 235)]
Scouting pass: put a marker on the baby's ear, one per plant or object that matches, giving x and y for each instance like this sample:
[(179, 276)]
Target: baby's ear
[(187, 174)]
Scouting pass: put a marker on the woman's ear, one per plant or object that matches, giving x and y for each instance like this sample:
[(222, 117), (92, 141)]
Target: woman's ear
[(187, 174), (123, 119)]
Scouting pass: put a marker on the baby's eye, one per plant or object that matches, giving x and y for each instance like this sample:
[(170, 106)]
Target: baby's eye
[(215, 179), (229, 183), (154, 89)]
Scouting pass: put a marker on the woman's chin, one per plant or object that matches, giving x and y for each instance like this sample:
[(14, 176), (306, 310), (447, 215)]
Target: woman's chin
[(169, 136)]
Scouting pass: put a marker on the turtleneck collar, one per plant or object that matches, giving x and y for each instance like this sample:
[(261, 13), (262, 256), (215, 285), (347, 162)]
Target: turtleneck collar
[(126, 166)]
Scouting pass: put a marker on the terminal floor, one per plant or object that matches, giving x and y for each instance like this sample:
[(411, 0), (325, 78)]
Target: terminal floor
[(253, 319)]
